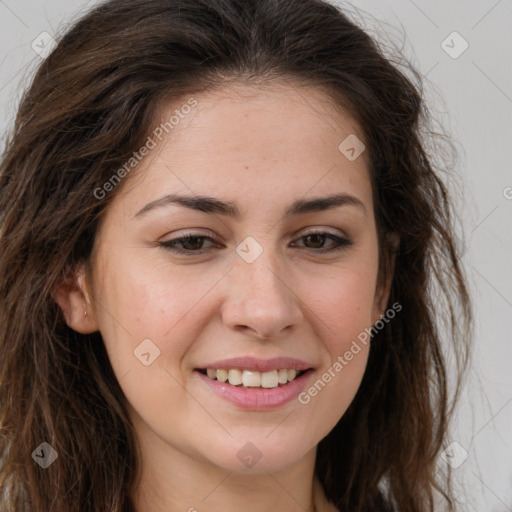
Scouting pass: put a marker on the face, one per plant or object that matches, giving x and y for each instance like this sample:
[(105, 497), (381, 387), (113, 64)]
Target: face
[(283, 285)]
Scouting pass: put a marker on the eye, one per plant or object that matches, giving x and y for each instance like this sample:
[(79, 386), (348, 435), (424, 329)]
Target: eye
[(193, 244), (187, 244), (317, 239)]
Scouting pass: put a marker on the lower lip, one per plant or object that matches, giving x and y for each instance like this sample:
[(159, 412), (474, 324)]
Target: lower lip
[(258, 399)]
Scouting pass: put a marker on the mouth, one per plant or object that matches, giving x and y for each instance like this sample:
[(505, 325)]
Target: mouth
[(249, 379), (252, 390), (256, 384)]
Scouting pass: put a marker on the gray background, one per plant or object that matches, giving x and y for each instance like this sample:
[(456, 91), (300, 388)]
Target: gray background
[(472, 97)]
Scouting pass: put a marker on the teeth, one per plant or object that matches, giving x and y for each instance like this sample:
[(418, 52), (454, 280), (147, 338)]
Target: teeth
[(235, 377), (250, 379), (269, 379), (222, 375), (282, 376)]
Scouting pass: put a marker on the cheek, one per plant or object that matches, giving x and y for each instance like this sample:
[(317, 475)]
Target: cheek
[(154, 304), (343, 305), (148, 322), (336, 386)]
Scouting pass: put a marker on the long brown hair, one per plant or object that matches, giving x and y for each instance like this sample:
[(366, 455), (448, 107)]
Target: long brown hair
[(91, 104)]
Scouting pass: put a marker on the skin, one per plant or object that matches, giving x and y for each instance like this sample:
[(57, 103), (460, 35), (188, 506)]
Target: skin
[(261, 148)]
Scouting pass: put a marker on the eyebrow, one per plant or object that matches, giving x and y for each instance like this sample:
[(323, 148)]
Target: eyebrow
[(215, 206)]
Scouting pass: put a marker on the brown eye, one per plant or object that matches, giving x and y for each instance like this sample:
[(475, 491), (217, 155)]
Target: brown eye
[(314, 241), (192, 243), (188, 244)]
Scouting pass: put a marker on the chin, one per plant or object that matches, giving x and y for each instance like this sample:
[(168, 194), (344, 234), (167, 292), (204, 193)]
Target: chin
[(258, 454)]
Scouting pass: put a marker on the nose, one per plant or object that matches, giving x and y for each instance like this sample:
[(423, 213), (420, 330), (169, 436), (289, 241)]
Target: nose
[(260, 299)]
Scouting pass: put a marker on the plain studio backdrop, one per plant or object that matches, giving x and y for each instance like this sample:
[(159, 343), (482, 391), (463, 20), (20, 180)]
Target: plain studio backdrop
[(463, 50)]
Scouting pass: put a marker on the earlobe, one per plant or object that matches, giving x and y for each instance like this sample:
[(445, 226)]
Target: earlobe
[(72, 296)]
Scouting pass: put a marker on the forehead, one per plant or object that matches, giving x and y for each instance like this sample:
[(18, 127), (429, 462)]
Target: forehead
[(252, 145)]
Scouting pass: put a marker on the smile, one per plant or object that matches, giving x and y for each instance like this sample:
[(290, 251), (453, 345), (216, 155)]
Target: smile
[(256, 397), (253, 379)]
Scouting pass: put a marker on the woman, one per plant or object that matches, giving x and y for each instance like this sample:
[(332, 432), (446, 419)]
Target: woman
[(225, 256)]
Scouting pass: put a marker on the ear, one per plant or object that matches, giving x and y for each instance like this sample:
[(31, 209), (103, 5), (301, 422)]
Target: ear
[(73, 297), (382, 293)]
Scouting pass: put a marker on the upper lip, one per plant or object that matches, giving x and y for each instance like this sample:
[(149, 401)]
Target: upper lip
[(259, 365)]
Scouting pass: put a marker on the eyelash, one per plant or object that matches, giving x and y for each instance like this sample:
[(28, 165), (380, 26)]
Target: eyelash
[(170, 245)]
